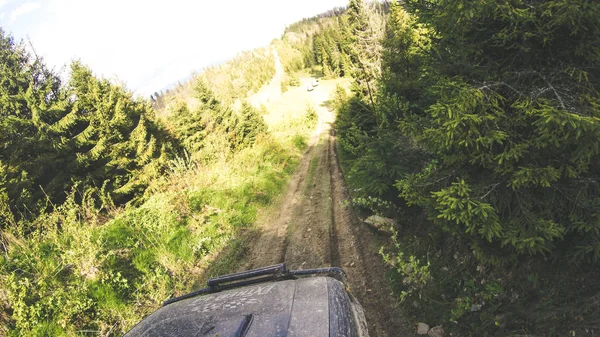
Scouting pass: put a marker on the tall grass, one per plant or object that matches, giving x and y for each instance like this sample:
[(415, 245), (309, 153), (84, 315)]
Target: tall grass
[(84, 271)]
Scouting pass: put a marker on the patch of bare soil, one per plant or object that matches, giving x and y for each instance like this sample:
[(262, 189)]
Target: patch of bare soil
[(271, 90), (313, 227)]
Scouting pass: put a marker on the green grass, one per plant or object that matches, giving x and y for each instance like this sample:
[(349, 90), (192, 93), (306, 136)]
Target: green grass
[(84, 271), (229, 258)]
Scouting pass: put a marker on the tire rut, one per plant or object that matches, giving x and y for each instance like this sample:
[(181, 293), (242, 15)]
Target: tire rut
[(270, 246), (334, 244), (314, 227)]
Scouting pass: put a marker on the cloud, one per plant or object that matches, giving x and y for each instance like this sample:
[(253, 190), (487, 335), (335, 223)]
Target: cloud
[(4, 3), (21, 10)]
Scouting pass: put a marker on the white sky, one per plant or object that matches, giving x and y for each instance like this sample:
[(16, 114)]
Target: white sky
[(150, 44)]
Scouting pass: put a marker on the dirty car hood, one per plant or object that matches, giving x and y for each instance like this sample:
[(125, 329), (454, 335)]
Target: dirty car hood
[(316, 307)]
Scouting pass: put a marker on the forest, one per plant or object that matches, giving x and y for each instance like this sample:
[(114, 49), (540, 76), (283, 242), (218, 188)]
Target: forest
[(474, 124)]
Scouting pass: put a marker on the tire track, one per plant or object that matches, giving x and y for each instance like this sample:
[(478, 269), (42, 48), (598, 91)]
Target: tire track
[(313, 227), (334, 244)]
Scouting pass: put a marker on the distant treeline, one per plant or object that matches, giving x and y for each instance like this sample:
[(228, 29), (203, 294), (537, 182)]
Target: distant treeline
[(310, 23), (230, 81)]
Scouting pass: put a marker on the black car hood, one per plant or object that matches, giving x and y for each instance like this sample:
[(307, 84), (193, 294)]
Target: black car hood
[(316, 306)]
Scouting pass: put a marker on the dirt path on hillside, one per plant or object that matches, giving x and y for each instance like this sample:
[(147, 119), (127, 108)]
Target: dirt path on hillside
[(272, 90), (314, 228)]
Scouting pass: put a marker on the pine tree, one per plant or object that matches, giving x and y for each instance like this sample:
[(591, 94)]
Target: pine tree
[(30, 102), (117, 137), (367, 26), (506, 101), (249, 125), (89, 133)]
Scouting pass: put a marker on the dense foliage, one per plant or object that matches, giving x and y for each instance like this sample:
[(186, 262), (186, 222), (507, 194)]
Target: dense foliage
[(88, 133), (208, 128), (512, 123), (106, 210), (483, 117), (474, 123)]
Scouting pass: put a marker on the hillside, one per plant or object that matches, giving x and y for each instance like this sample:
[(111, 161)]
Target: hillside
[(110, 206), (471, 128)]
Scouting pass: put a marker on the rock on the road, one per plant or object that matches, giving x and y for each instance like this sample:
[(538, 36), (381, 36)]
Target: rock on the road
[(422, 328), (436, 331)]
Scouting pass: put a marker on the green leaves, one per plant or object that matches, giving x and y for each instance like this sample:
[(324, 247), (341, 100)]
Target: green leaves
[(55, 135), (465, 120), (498, 103), (456, 205), (502, 111), (534, 176)]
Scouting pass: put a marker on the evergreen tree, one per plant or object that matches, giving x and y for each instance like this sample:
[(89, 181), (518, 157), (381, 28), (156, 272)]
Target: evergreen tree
[(249, 125), (505, 102), (30, 102), (89, 133), (367, 26), (116, 138)]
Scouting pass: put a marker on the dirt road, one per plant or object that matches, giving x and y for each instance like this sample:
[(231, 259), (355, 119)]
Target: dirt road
[(313, 227)]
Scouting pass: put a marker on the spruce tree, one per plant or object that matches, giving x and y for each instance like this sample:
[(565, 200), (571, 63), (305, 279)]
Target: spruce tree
[(506, 102), (31, 100), (90, 133)]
